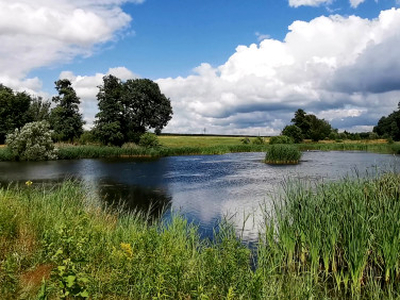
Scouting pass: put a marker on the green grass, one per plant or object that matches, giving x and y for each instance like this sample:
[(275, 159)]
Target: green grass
[(204, 145), (334, 240), (283, 154)]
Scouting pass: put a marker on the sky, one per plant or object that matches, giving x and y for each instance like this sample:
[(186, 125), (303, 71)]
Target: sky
[(228, 67)]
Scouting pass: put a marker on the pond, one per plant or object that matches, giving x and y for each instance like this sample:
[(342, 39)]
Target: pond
[(203, 188)]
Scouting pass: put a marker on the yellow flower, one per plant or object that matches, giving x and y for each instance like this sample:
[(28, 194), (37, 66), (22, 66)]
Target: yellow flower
[(28, 183), (127, 249)]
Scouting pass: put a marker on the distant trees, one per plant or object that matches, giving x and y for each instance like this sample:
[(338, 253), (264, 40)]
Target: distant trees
[(17, 109), (389, 126), (65, 119), (128, 109), (307, 126)]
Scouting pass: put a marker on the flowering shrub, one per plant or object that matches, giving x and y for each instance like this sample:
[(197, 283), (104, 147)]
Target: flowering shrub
[(32, 142)]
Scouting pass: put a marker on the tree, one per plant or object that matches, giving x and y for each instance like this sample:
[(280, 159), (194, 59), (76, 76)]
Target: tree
[(128, 110), (311, 127), (39, 110), (65, 118), (13, 111), (389, 126), (145, 107), (109, 124), (293, 132)]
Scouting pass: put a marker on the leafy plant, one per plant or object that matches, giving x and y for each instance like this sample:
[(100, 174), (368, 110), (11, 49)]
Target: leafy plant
[(32, 142), (149, 140), (280, 139)]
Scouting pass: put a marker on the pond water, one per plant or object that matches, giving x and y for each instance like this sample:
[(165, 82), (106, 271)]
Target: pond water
[(203, 188)]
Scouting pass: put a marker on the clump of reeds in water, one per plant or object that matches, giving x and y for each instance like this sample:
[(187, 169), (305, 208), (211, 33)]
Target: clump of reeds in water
[(343, 235), (283, 154)]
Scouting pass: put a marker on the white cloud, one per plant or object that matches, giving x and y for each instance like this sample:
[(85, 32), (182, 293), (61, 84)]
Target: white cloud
[(344, 69), (44, 32), (355, 3), (297, 3)]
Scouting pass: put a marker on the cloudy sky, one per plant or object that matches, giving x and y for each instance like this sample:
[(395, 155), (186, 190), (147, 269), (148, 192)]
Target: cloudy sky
[(229, 67)]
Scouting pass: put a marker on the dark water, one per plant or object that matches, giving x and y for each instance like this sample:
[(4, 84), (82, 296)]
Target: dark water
[(203, 188)]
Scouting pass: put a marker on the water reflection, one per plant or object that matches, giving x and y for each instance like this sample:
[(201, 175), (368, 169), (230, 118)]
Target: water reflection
[(152, 201), (203, 188)]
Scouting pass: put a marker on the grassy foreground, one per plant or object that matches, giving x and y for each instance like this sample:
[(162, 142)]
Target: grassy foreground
[(334, 240)]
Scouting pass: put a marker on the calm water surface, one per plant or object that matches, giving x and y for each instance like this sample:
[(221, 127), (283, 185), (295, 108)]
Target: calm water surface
[(203, 188)]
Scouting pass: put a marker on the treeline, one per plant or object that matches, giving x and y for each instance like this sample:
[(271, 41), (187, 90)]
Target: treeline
[(126, 111), (308, 126)]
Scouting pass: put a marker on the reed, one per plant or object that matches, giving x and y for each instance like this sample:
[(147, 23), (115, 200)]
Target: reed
[(344, 235), (282, 154)]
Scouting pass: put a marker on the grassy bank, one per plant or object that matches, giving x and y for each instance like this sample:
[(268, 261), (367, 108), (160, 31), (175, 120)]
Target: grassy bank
[(333, 240), (205, 145)]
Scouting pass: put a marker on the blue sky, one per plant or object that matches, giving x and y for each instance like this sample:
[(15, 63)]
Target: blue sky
[(233, 67)]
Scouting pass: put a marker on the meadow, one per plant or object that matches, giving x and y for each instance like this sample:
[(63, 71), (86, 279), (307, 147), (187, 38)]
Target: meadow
[(327, 241)]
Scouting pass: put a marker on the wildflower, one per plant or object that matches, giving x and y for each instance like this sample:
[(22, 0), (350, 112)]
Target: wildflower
[(28, 183), (126, 247)]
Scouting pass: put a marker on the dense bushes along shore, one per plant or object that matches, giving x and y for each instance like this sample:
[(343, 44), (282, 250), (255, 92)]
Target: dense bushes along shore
[(332, 240)]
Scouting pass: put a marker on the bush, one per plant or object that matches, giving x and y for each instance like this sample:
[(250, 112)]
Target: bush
[(258, 141), (149, 140), (280, 139), (283, 154), (293, 132), (245, 141), (32, 142)]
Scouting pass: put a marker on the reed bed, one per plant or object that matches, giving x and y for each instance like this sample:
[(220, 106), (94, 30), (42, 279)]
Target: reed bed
[(331, 240), (283, 154), (343, 236)]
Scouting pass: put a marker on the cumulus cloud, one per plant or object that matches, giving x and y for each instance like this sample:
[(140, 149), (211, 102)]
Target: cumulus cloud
[(297, 3), (343, 69), (355, 3), (44, 32)]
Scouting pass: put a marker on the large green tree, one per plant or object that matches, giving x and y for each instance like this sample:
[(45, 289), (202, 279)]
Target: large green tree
[(109, 125), (311, 127), (65, 119), (13, 111), (389, 126), (129, 109)]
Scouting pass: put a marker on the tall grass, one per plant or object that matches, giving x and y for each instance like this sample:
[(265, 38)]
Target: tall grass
[(342, 236), (282, 154), (333, 240)]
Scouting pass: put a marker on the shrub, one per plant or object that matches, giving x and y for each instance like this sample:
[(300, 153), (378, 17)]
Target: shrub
[(32, 142), (258, 141), (245, 141), (280, 139), (149, 140), (283, 154), (293, 132)]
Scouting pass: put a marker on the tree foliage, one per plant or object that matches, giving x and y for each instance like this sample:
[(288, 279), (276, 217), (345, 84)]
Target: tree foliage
[(65, 118), (311, 127), (293, 132), (129, 109), (32, 142), (13, 111), (389, 126)]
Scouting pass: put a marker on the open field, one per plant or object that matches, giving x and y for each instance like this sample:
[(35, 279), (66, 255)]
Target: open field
[(59, 242)]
